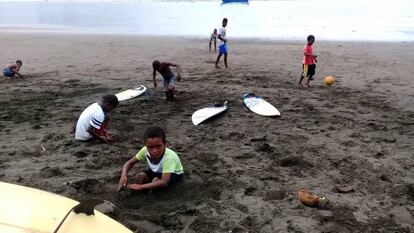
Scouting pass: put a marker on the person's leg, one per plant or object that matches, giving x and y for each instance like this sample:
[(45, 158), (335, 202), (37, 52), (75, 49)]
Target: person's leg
[(166, 87), (175, 178), (217, 60), (225, 60), (142, 178), (310, 73), (308, 80), (215, 46), (8, 73), (209, 46), (301, 79), (171, 94), (171, 87), (304, 73)]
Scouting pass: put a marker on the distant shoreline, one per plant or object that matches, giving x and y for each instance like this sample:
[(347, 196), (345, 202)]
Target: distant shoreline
[(57, 32)]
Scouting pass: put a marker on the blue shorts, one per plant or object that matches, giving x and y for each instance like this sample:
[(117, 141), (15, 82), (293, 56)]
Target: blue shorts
[(170, 82), (8, 72), (223, 49)]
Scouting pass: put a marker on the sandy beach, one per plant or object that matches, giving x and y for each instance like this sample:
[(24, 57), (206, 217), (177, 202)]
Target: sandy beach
[(242, 171)]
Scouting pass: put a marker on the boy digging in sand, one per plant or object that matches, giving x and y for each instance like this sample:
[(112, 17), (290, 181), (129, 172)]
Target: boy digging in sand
[(94, 120), (164, 170), (12, 70), (309, 61), (170, 79)]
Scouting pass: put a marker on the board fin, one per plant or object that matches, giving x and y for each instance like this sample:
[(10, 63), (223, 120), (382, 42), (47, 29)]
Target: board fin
[(86, 207)]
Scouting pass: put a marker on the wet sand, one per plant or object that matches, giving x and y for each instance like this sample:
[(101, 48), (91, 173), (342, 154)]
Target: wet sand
[(243, 171)]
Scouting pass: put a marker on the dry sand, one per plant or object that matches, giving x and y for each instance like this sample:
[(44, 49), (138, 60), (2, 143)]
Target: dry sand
[(243, 171)]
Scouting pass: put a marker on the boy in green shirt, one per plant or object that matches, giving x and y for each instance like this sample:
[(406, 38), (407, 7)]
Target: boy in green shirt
[(164, 170)]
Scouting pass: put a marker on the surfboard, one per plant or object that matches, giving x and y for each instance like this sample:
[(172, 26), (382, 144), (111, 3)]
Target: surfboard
[(131, 93), (29, 210), (260, 106), (208, 112)]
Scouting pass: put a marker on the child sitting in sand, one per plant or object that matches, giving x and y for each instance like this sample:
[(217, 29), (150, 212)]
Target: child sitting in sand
[(94, 120), (213, 38), (309, 61), (170, 79), (164, 170), (12, 70)]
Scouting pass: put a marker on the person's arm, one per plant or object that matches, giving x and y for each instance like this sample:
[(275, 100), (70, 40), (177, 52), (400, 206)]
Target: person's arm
[(153, 74), (125, 169), (161, 183), (221, 38), (171, 64), (92, 131)]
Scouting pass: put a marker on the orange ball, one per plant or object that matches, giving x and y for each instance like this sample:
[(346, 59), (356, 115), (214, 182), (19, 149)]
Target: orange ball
[(329, 80)]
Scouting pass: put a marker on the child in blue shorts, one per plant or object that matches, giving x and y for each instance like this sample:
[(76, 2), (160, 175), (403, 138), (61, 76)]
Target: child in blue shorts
[(222, 43), (12, 70), (170, 79)]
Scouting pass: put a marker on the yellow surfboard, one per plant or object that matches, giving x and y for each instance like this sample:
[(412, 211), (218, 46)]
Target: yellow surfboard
[(24, 210)]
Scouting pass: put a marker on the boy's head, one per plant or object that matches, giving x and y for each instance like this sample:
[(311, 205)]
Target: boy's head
[(215, 31), (154, 139), (156, 64), (19, 63), (109, 102), (224, 23), (311, 39)]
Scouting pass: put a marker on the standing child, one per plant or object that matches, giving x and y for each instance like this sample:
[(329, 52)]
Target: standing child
[(170, 79), (165, 167), (309, 61), (222, 43), (213, 38), (94, 120), (12, 70)]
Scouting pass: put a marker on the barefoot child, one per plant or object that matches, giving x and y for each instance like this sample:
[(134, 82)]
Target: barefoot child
[(170, 79), (12, 70), (309, 61), (164, 170), (213, 38), (94, 120), (222, 44)]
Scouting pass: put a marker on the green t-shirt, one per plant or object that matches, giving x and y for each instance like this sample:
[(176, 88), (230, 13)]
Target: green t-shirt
[(170, 162)]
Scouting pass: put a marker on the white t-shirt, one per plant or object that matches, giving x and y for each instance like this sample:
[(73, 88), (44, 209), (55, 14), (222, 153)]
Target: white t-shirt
[(92, 115), (222, 32)]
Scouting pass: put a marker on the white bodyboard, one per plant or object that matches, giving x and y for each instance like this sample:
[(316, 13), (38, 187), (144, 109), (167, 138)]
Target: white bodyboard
[(208, 112), (131, 93), (260, 106)]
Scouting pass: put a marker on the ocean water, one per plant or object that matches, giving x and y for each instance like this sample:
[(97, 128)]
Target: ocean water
[(361, 20)]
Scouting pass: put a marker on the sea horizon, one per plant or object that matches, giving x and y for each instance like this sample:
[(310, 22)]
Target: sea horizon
[(267, 20)]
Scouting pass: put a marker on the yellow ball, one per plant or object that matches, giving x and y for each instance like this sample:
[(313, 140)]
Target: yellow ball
[(329, 80)]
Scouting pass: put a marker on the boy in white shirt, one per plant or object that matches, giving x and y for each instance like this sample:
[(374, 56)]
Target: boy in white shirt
[(222, 43), (93, 121)]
